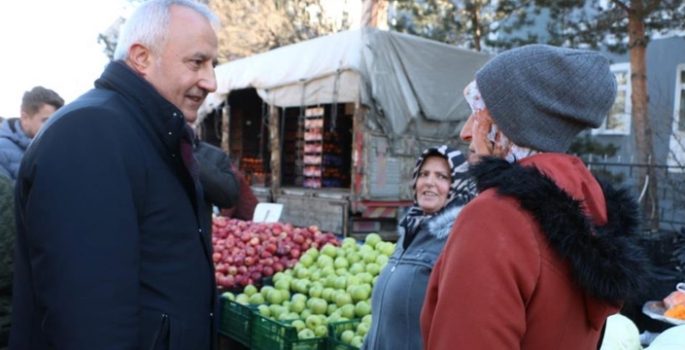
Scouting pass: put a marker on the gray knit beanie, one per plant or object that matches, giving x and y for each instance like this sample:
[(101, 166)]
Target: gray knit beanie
[(542, 96)]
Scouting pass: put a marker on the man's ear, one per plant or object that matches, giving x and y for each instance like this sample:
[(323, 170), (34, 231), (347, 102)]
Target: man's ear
[(140, 58)]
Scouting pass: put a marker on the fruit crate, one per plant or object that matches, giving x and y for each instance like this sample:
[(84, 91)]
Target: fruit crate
[(236, 321), (268, 334), (336, 329)]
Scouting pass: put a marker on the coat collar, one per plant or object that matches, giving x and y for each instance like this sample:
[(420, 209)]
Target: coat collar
[(606, 261), (165, 119), (440, 225)]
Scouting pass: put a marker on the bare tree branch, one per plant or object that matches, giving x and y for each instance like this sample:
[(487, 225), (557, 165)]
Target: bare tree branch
[(652, 5), (620, 4)]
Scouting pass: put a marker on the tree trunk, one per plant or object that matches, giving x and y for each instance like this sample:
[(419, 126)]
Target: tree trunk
[(640, 114), (275, 137), (475, 23)]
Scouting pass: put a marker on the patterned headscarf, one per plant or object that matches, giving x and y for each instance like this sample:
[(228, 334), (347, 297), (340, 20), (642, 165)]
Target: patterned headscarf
[(461, 191), (501, 146)]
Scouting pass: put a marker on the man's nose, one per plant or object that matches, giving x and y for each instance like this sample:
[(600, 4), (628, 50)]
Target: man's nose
[(465, 133), (208, 80)]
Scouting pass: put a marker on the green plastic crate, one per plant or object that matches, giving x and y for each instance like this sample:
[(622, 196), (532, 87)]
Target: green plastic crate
[(236, 321), (336, 329), (268, 334)]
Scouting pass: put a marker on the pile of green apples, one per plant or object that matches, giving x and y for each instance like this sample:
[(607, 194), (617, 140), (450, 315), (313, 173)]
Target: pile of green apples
[(326, 286)]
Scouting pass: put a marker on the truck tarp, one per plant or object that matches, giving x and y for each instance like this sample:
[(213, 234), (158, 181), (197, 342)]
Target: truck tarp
[(413, 86)]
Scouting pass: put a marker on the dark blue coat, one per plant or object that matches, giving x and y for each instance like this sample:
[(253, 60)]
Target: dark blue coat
[(111, 252)]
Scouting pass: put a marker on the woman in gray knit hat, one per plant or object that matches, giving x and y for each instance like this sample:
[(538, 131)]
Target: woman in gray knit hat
[(546, 252)]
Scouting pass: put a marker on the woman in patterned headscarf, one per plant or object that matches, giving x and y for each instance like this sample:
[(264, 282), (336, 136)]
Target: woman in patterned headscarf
[(441, 188)]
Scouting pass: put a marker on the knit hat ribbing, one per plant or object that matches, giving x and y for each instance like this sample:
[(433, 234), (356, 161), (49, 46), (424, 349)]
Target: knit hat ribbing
[(542, 96)]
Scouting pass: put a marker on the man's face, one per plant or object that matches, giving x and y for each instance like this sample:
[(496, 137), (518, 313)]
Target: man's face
[(31, 124), (183, 72), (477, 127)]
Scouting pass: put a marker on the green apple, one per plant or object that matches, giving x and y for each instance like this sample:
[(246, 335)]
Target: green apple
[(373, 269), (357, 341), (277, 310), (324, 260), (318, 306), (362, 329), (387, 249), (340, 282), (242, 299), (288, 272), (250, 290), (299, 297), (256, 299), (326, 294), (342, 272), (327, 271), (315, 291), (330, 281), (277, 276), (332, 308), (348, 242), (302, 286), (303, 273), (362, 309), (354, 280), (347, 311), (297, 306), (321, 331), (329, 250), (305, 313), (274, 296), (299, 325), (285, 294), (306, 260), (354, 257), (282, 284), (264, 310), (312, 321), (365, 277), (359, 293), (313, 252), (381, 260), (343, 299), (293, 283), (370, 257), (334, 316), (374, 280), (367, 319), (315, 275), (229, 296), (365, 248), (341, 263), (372, 239), (346, 336), (357, 268), (306, 334), (340, 253), (265, 291)]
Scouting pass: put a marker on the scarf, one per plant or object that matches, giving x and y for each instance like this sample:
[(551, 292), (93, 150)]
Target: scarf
[(461, 191)]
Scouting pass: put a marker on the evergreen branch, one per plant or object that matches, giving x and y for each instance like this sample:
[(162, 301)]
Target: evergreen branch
[(620, 4), (652, 5)]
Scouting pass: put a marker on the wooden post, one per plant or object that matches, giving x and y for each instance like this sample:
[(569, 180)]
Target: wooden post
[(225, 127), (275, 142), (357, 154)]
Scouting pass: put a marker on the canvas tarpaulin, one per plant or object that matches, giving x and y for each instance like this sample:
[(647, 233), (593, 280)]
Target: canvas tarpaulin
[(412, 85)]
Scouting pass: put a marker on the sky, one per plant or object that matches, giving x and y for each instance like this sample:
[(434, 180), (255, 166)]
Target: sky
[(52, 43)]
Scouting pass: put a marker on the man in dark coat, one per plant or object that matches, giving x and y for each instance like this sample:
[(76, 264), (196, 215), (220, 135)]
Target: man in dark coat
[(7, 233), (111, 250)]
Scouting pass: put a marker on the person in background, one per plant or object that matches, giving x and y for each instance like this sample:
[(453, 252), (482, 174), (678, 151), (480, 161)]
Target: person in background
[(8, 231), (220, 184), (16, 134), (111, 249), (247, 201), (545, 252), (441, 188)]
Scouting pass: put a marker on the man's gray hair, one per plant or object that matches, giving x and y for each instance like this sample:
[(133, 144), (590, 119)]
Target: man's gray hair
[(149, 25)]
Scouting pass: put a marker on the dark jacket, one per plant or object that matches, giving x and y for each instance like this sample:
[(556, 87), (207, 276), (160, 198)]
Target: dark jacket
[(13, 144), (221, 187), (244, 209), (7, 233), (111, 252), (398, 294), (538, 260)]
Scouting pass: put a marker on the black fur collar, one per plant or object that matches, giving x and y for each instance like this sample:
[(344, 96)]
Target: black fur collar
[(610, 265)]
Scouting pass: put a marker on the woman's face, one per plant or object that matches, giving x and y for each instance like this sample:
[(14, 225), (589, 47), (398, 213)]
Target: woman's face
[(433, 184)]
